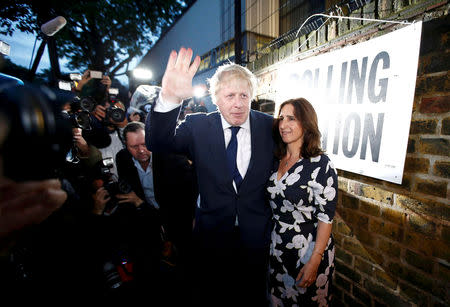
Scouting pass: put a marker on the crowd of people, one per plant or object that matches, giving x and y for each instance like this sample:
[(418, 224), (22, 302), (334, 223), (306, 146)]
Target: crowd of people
[(178, 206)]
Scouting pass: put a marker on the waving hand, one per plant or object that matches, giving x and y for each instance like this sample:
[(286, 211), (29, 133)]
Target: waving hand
[(177, 79)]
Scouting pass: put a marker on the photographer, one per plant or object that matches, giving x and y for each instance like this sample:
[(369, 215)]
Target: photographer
[(44, 244), (135, 230), (108, 116), (87, 76)]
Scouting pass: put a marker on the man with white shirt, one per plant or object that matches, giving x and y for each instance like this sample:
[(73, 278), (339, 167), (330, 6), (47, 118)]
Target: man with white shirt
[(232, 152), (140, 177), (139, 220)]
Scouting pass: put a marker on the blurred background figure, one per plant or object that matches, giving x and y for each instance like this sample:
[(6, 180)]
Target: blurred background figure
[(141, 102)]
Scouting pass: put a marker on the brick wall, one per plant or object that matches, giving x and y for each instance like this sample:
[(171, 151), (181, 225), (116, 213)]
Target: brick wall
[(393, 241)]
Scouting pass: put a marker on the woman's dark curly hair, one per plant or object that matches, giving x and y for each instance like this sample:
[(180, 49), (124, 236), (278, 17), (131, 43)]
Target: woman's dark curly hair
[(304, 112)]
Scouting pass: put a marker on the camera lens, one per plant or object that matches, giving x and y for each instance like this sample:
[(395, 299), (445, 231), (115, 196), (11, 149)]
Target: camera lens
[(116, 114), (37, 122), (124, 187), (113, 280), (83, 120), (87, 104)]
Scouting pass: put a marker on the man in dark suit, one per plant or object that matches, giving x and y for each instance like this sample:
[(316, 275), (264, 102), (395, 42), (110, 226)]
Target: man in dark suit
[(139, 216), (232, 152)]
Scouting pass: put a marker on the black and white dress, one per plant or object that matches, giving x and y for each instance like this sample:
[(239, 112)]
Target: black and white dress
[(305, 194)]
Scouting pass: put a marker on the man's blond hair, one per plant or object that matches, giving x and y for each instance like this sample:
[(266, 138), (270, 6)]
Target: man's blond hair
[(231, 70)]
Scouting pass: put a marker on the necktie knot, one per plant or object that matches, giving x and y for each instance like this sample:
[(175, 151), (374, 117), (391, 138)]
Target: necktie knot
[(234, 130)]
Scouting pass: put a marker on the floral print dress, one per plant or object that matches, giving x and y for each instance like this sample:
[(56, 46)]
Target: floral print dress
[(305, 194)]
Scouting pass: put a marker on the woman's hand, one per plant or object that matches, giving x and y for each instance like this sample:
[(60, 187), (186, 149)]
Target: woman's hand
[(308, 274)]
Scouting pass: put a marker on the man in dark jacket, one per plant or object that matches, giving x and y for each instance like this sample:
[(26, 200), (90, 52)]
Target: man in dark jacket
[(232, 151), (140, 210)]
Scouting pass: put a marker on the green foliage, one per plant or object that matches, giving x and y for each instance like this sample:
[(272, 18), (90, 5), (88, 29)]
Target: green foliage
[(100, 35), (15, 14)]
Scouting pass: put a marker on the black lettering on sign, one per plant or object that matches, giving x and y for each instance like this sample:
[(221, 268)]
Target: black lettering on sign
[(373, 137), (352, 139), (329, 79), (357, 80), (316, 77), (307, 78), (382, 83), (337, 133), (352, 119), (342, 84)]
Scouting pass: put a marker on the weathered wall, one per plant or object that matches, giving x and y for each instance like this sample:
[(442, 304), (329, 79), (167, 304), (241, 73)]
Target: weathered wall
[(393, 241)]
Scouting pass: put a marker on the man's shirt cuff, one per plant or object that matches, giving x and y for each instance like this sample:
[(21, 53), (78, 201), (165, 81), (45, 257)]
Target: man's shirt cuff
[(162, 106)]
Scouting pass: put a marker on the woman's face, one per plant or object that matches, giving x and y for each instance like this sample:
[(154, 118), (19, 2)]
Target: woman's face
[(289, 126)]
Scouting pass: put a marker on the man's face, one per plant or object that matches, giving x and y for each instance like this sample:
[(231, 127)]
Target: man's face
[(233, 100), (136, 146)]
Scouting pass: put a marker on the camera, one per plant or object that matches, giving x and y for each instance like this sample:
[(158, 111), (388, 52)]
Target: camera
[(77, 115), (39, 136), (114, 111), (87, 104), (93, 93), (113, 187), (102, 171)]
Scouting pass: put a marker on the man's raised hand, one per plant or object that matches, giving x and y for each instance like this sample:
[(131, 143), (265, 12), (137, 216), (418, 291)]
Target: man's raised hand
[(177, 79)]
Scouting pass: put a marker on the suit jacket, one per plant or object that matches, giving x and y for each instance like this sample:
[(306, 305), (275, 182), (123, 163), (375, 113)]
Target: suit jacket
[(174, 172), (200, 137), (143, 224), (127, 171)]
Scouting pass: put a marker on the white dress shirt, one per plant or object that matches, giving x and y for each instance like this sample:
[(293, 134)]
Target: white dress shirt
[(244, 150), (146, 179)]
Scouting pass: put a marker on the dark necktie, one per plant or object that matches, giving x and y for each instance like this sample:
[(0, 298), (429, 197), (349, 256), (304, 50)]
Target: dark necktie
[(231, 156)]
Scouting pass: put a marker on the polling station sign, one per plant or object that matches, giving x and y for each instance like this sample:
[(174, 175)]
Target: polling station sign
[(363, 95)]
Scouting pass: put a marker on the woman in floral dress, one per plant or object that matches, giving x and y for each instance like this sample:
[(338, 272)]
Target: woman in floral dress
[(303, 194)]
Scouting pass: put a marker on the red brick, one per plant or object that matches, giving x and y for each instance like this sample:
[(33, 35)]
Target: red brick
[(349, 201), (369, 208), (434, 146), (393, 215), (436, 104), (431, 187), (411, 146), (353, 246), (421, 262), (389, 247), (445, 129), (423, 126), (442, 169), (417, 165), (437, 209), (422, 225), (386, 229)]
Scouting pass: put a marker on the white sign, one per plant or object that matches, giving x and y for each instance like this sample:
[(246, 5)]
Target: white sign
[(363, 95)]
